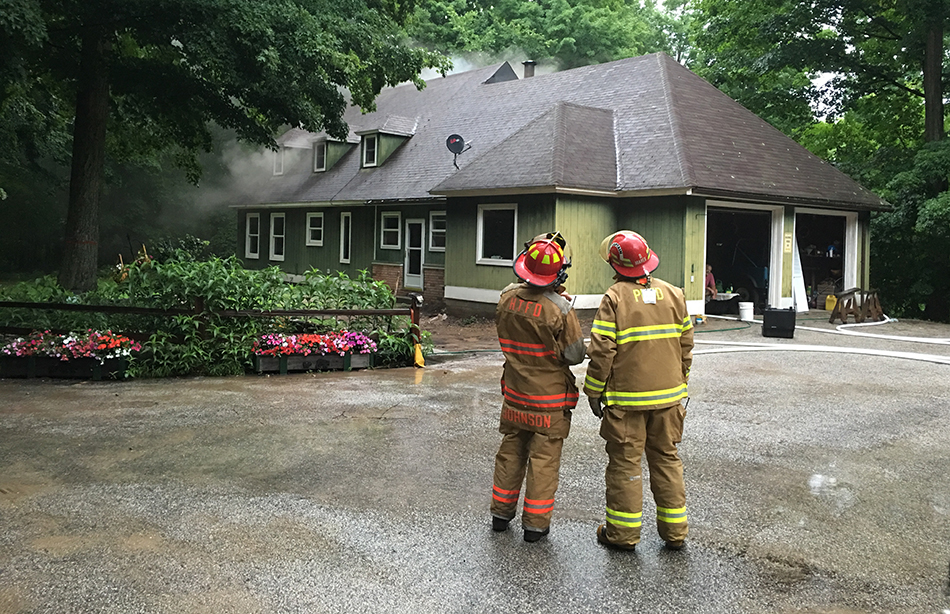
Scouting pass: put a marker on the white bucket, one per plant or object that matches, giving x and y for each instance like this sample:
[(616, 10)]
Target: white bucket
[(745, 312)]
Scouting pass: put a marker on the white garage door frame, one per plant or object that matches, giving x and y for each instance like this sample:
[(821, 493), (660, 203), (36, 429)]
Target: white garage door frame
[(775, 244), (851, 242)]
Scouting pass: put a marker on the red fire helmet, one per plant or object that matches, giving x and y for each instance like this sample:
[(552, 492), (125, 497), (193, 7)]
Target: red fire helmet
[(628, 253), (543, 261)]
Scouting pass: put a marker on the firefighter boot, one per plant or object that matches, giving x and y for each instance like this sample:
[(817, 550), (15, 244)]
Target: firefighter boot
[(602, 539), (531, 535)]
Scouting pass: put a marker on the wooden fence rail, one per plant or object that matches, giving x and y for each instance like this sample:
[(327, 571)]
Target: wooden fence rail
[(412, 311)]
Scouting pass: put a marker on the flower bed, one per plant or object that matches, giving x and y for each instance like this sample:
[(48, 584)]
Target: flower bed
[(312, 352), (91, 354)]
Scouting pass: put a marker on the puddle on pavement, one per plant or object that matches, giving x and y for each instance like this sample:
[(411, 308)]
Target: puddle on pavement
[(827, 487)]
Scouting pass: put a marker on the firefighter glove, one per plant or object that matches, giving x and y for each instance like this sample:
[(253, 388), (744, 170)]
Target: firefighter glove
[(595, 407)]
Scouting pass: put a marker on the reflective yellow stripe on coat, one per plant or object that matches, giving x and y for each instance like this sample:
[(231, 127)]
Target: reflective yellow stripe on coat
[(607, 329), (648, 397), (654, 331)]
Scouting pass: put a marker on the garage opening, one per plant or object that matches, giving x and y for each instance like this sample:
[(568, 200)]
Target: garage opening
[(738, 246), (821, 248)]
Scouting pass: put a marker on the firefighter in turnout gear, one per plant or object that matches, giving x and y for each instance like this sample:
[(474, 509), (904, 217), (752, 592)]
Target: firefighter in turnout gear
[(541, 337), (640, 355)]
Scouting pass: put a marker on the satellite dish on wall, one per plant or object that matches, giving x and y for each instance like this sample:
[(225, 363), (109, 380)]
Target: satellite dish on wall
[(456, 145)]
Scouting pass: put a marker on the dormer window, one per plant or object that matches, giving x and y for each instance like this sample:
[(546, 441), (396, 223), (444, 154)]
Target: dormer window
[(319, 156), (370, 142), (279, 161)]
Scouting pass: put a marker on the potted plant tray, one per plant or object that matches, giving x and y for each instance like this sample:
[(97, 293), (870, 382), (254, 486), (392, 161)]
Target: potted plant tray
[(312, 362), (77, 368)]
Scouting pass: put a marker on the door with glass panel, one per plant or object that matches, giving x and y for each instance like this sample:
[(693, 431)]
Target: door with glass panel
[(415, 253)]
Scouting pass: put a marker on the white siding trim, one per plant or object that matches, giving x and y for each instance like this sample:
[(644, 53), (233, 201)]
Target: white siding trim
[(483, 295), (587, 301), (474, 295)]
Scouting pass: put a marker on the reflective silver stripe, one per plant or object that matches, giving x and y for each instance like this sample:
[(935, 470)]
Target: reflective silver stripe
[(562, 303), (624, 519), (671, 515), (594, 384), (648, 397), (607, 329), (539, 508), (636, 334)]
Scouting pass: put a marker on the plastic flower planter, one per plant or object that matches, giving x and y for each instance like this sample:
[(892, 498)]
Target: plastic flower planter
[(91, 355), (337, 351), (328, 362), (77, 368)]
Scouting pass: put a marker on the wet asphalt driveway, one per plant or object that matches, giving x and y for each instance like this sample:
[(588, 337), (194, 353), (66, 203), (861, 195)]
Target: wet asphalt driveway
[(816, 482)]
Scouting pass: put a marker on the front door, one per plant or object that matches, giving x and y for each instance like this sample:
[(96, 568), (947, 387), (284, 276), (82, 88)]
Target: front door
[(415, 251)]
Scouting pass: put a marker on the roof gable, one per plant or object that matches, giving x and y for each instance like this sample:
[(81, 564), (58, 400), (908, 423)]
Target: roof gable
[(567, 146), (725, 149)]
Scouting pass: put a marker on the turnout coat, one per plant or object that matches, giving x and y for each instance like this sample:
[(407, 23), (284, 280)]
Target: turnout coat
[(541, 337), (641, 346)]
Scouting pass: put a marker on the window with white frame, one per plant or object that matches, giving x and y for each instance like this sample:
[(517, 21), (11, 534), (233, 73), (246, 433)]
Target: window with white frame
[(252, 236), (497, 229), (437, 231), (277, 230), (390, 237), (370, 142), (346, 228), (319, 156), (279, 161), (315, 229)]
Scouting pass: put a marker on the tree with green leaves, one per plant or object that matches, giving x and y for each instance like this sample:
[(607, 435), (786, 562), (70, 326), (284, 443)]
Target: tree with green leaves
[(133, 79), (569, 32)]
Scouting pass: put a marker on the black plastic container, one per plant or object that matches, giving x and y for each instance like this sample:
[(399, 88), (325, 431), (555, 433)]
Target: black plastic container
[(778, 323)]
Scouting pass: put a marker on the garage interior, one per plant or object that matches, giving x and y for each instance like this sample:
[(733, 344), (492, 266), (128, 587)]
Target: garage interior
[(821, 249), (738, 245)]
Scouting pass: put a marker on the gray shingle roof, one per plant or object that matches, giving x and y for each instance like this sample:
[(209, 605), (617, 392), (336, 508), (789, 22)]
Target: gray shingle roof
[(567, 146), (640, 124)]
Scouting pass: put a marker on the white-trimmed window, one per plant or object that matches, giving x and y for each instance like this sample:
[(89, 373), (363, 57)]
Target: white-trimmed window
[(497, 231), (390, 236), (346, 236), (277, 231), (279, 161), (252, 236), (370, 145), (437, 231), (315, 229), (319, 156)]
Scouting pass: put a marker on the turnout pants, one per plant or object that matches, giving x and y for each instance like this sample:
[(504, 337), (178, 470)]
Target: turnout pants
[(529, 454), (630, 433)]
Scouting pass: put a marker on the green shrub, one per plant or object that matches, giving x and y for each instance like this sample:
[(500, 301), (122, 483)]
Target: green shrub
[(205, 343)]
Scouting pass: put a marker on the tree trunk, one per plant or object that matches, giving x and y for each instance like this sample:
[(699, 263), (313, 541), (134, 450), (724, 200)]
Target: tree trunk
[(933, 86), (81, 247)]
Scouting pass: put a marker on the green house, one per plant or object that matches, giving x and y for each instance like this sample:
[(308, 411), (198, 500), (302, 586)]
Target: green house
[(640, 144)]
